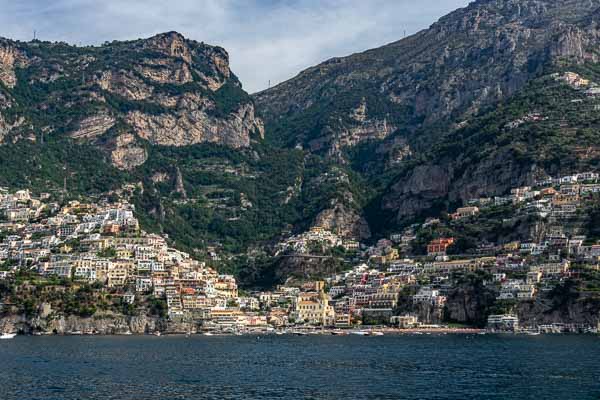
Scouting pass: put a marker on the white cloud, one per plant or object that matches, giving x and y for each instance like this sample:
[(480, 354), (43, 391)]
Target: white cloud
[(267, 39)]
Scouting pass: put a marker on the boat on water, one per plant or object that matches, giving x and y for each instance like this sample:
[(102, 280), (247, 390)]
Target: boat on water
[(361, 333), (208, 334), (157, 333), (339, 333), (377, 333), (7, 336)]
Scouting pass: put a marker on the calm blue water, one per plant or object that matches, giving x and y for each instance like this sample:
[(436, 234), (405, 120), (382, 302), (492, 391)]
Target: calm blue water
[(313, 367)]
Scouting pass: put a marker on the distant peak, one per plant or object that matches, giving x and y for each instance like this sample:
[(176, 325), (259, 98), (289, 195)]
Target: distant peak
[(171, 43), (168, 35)]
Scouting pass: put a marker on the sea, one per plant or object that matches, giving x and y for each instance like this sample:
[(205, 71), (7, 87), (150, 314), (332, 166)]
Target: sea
[(453, 366)]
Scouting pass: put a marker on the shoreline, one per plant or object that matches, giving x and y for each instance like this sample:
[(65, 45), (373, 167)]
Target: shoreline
[(306, 332)]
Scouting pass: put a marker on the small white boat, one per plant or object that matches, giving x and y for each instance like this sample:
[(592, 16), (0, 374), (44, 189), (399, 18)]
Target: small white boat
[(8, 335), (377, 333), (207, 334), (157, 333), (339, 333), (360, 333)]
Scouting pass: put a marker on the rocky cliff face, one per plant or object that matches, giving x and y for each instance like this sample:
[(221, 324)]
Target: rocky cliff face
[(345, 221), (165, 90), (472, 57), (191, 124), (10, 58), (106, 324), (564, 304), (411, 97)]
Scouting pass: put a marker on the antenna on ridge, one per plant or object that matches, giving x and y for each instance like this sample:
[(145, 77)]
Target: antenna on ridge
[(269, 83), (34, 34)]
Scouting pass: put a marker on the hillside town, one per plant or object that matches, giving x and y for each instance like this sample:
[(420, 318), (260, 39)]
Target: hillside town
[(100, 245)]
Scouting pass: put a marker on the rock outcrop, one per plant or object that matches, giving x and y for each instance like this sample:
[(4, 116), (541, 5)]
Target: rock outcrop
[(546, 310), (93, 126), (191, 125), (101, 324), (127, 153), (10, 58), (343, 221), (4, 128)]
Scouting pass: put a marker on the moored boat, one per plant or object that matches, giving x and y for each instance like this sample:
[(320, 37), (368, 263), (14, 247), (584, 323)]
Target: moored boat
[(8, 335)]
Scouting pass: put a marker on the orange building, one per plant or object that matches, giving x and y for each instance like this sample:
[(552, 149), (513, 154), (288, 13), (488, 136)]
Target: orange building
[(439, 246)]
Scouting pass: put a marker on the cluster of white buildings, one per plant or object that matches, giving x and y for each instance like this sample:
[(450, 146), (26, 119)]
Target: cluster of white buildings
[(102, 243), (317, 238)]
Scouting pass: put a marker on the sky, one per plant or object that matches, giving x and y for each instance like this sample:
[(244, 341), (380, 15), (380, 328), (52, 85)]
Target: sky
[(267, 40)]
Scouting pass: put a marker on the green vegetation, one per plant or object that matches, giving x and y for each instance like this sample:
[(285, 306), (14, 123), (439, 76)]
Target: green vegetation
[(108, 252)]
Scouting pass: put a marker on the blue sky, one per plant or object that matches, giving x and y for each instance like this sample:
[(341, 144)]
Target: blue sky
[(266, 39)]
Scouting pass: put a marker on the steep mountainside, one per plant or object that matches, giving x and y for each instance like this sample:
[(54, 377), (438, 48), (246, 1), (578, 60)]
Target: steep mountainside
[(164, 117), (490, 97), (386, 112), (164, 121)]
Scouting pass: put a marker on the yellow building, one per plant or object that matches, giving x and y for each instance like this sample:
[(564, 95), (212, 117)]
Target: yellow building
[(226, 286), (313, 308), (512, 246), (119, 272)]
